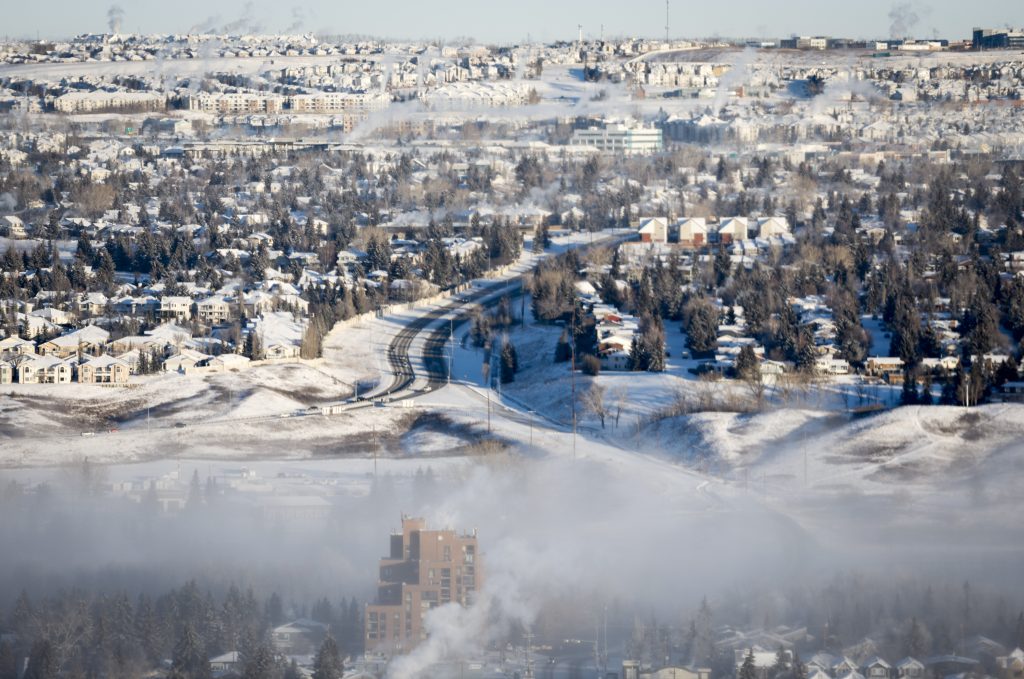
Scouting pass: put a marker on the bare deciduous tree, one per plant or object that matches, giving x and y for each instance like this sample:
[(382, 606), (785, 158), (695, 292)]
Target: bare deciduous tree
[(594, 400)]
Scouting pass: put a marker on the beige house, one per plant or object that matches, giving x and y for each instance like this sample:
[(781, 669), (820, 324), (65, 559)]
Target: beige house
[(693, 232), (176, 308), (772, 226), (654, 230), (33, 369), (733, 229), (104, 370), (214, 310), (6, 372)]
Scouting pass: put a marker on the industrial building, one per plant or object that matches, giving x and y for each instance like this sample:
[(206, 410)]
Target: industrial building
[(998, 39)]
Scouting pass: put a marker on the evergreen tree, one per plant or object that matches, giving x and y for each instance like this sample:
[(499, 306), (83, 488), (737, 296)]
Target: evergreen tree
[(747, 365), (916, 642), (189, 656), (509, 362), (722, 266), (639, 359), (260, 663), (328, 663), (8, 662), (781, 665), (748, 670), (701, 326), (563, 350), (253, 345), (703, 646), (42, 661), (652, 336), (908, 395)]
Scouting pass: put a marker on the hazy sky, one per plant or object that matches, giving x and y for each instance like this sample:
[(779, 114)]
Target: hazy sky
[(545, 20)]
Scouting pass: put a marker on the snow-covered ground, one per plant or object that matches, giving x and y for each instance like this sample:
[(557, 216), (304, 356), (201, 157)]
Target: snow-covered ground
[(804, 459)]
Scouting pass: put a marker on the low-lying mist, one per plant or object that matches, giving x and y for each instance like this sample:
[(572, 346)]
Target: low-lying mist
[(560, 538)]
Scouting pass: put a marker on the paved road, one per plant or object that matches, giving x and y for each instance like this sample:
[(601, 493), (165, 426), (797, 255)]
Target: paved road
[(433, 353), (434, 357)]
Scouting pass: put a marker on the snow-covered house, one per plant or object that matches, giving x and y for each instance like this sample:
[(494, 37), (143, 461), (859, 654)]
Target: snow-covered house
[(104, 369), (693, 232), (14, 346), (909, 668), (733, 229), (38, 369), (653, 230), (91, 340)]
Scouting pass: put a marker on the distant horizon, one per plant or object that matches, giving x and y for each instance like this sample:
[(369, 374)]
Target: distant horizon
[(531, 21)]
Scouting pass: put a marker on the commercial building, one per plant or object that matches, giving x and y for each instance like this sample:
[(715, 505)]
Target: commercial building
[(805, 42), (998, 39), (620, 139), (424, 569)]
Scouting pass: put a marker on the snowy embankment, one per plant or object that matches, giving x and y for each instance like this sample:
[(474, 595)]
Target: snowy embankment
[(802, 440)]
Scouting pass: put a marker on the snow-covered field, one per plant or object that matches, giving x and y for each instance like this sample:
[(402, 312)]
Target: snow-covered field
[(804, 457)]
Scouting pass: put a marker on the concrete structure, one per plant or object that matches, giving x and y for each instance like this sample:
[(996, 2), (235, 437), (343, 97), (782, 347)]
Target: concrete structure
[(424, 569)]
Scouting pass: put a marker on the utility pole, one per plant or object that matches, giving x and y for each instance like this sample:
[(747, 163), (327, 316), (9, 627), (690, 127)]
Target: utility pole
[(666, 20), (451, 354), (572, 373), (531, 427)]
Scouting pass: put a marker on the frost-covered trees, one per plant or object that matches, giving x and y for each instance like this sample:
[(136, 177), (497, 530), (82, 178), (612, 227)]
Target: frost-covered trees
[(701, 326), (328, 664)]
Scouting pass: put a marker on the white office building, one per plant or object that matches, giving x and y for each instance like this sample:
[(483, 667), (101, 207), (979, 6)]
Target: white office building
[(620, 139)]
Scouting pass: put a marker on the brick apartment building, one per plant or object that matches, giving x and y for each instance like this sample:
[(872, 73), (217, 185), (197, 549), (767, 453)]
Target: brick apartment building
[(425, 569)]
